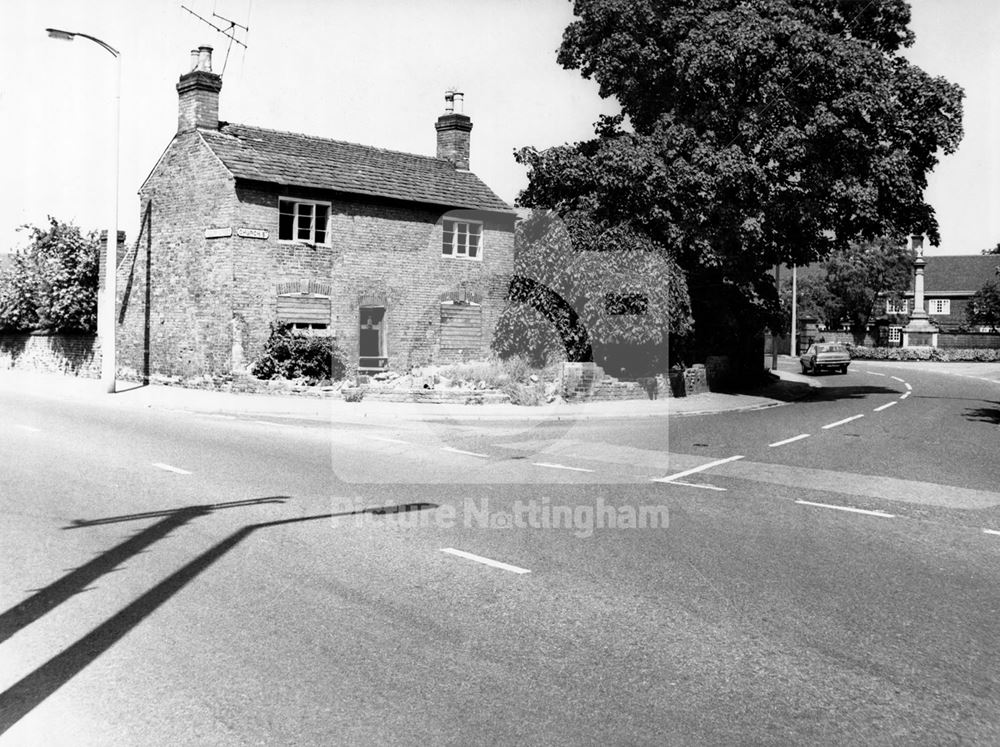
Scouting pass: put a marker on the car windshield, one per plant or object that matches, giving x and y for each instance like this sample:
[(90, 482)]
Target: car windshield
[(831, 349)]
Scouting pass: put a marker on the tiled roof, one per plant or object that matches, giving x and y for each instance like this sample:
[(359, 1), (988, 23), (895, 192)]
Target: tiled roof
[(291, 159), (967, 272)]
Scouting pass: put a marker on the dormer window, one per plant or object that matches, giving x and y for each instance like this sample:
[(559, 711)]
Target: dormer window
[(462, 239), (303, 221)]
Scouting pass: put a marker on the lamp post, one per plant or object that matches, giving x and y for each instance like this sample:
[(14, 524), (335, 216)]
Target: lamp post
[(106, 301)]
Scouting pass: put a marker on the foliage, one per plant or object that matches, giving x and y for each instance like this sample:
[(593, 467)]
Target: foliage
[(496, 373), (291, 356), (860, 277), (994, 250), (581, 284), (757, 133), (813, 299), (859, 352), (52, 284), (984, 306)]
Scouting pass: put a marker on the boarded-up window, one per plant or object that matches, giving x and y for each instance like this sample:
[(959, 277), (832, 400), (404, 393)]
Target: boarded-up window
[(461, 326), (304, 311)]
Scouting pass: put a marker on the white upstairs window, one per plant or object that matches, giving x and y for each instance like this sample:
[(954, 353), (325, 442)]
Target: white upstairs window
[(304, 220), (463, 239), (939, 306)]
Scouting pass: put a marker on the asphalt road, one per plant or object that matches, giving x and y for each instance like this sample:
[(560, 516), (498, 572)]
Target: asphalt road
[(173, 578)]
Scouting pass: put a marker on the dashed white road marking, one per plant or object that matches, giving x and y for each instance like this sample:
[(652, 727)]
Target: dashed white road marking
[(788, 440), (485, 561), (873, 373), (908, 387), (896, 378), (904, 395), (29, 428), (990, 531), (881, 514), (561, 466), (168, 468), (704, 486), (387, 440), (841, 422), (884, 407), (468, 453), (702, 468), (271, 422)]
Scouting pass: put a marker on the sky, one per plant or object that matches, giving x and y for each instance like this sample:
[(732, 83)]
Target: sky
[(373, 72)]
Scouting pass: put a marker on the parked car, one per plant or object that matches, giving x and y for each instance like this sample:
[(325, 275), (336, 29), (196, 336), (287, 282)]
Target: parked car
[(825, 355)]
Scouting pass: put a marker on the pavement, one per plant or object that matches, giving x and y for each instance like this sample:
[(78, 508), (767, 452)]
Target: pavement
[(786, 386)]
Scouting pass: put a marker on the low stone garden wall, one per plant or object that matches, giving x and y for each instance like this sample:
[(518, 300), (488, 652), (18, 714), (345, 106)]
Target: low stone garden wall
[(72, 355)]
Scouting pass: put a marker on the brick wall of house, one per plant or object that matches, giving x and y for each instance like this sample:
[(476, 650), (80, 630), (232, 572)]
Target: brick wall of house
[(954, 319), (174, 284), (383, 251)]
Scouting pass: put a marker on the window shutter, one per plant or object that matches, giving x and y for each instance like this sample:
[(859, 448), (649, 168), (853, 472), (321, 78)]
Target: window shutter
[(461, 326), (303, 310)]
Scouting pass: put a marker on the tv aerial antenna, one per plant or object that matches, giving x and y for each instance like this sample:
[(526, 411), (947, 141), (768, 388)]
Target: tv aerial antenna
[(229, 32)]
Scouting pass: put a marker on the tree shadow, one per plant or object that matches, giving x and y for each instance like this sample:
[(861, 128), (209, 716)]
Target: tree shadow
[(23, 696), (984, 414)]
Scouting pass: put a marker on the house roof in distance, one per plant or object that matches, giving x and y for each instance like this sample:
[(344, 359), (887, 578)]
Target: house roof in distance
[(959, 272), (295, 160)]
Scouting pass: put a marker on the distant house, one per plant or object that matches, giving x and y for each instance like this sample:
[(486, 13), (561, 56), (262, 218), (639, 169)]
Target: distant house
[(949, 282), (404, 258)]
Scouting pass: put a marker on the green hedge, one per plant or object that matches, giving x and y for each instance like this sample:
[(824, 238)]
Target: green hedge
[(859, 352)]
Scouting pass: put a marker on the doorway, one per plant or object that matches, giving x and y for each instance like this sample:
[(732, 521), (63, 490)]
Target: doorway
[(372, 355)]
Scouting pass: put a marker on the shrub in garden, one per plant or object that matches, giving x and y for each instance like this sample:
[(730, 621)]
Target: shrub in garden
[(291, 356)]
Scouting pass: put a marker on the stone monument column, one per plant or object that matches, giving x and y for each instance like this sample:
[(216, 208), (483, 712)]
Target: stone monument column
[(920, 332)]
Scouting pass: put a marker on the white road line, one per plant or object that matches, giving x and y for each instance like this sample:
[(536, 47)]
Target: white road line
[(908, 387), (387, 440), (484, 561), (561, 466), (702, 468), (896, 378), (271, 422), (469, 453), (698, 485), (788, 440), (29, 428), (841, 422), (904, 395), (884, 407), (168, 468), (990, 531), (874, 374), (881, 514)]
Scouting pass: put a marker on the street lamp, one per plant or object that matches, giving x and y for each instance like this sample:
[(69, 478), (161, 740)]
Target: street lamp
[(106, 301)]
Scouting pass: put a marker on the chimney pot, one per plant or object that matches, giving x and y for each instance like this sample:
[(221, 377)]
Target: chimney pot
[(205, 59), (459, 99), (449, 102), (194, 60)]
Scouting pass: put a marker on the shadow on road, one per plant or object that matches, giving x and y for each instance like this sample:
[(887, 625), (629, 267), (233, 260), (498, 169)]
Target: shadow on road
[(984, 414), (19, 700)]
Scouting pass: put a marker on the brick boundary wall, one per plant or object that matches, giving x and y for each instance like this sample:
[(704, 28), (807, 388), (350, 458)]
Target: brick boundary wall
[(969, 340), (72, 355)]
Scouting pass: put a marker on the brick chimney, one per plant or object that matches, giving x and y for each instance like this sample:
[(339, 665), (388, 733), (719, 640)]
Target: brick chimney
[(198, 94), (453, 129)]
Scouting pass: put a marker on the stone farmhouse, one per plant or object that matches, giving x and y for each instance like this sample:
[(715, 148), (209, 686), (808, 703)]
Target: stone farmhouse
[(404, 258)]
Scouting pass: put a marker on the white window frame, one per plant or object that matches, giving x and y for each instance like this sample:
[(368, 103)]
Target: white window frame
[(458, 251), (897, 306), (939, 306), (298, 203), (895, 334)]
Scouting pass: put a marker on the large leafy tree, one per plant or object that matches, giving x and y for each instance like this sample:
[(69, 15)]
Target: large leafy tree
[(860, 278), (51, 285), (753, 133)]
